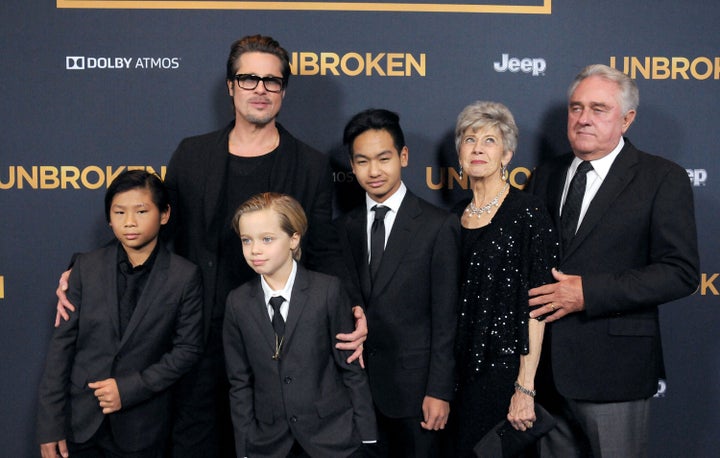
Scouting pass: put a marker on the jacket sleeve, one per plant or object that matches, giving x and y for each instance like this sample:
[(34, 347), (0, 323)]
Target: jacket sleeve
[(240, 376), (54, 390), (354, 377), (444, 284)]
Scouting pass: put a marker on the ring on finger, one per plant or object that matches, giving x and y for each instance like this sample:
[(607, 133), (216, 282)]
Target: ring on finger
[(552, 306)]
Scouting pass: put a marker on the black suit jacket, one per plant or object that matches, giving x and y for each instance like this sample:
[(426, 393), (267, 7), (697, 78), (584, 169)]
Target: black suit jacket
[(635, 249), (311, 394), (196, 178), (411, 307), (162, 341)]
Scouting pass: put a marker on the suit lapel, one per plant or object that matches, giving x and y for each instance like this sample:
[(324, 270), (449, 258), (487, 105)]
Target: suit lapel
[(620, 174), (557, 178), (109, 277), (217, 156), (399, 241), (300, 294), (257, 309), (155, 285)]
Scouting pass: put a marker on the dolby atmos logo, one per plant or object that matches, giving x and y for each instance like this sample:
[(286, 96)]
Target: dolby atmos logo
[(121, 63)]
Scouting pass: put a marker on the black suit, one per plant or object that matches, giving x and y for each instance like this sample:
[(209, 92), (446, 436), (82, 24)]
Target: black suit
[(410, 308), (635, 249), (162, 341), (311, 395)]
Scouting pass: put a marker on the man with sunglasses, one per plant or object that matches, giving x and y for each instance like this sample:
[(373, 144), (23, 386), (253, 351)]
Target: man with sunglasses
[(208, 177)]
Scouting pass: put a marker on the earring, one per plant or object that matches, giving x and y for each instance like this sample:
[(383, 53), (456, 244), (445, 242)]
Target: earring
[(504, 173), (460, 172)]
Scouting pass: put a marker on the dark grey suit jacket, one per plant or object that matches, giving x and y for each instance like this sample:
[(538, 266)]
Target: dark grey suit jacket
[(311, 394), (635, 249), (162, 341), (411, 308)]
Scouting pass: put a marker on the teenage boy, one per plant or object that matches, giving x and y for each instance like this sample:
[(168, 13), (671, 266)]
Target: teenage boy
[(403, 254), (292, 393), (136, 329)]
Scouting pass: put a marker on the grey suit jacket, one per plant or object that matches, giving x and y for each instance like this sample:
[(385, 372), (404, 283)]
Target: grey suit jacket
[(635, 249), (162, 341), (311, 394), (411, 307)]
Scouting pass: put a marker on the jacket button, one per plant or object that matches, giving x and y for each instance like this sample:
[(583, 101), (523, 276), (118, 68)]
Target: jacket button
[(288, 380), (293, 419)]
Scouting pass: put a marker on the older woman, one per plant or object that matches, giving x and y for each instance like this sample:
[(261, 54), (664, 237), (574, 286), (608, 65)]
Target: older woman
[(508, 247)]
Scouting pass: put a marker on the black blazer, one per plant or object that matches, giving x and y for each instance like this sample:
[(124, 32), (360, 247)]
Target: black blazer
[(411, 307), (196, 180), (311, 394), (635, 249), (162, 341)]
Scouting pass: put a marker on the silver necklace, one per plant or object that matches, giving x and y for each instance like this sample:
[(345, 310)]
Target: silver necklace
[(487, 208)]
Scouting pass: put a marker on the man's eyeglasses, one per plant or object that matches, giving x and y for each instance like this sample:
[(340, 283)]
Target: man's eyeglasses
[(250, 82)]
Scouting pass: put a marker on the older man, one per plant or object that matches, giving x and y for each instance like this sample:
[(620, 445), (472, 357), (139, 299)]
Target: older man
[(629, 244)]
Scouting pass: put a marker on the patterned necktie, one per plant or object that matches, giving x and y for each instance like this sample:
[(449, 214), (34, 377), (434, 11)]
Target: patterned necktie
[(573, 202), (377, 238), (277, 320)]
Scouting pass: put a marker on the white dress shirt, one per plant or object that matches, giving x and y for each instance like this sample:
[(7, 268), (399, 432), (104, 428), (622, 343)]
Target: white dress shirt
[(595, 178), (393, 203), (286, 292)]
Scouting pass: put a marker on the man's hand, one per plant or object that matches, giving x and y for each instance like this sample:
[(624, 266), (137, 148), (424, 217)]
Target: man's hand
[(354, 341), (558, 299), (54, 449), (107, 394), (522, 411), (63, 304), (435, 413)]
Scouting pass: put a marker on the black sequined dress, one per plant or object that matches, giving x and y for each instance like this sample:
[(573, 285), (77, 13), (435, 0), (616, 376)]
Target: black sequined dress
[(500, 263)]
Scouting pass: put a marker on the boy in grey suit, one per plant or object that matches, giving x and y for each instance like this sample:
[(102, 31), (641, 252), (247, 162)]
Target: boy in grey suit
[(136, 329), (292, 393)]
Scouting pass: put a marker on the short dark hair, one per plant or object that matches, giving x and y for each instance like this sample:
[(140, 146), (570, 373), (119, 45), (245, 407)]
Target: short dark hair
[(374, 119), (138, 179), (258, 43)]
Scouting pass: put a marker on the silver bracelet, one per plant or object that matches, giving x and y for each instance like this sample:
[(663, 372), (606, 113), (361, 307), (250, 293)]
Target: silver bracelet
[(524, 390)]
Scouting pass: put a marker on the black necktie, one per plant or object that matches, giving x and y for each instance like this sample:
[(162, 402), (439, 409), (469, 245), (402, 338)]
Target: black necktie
[(277, 320), (573, 202), (377, 238)]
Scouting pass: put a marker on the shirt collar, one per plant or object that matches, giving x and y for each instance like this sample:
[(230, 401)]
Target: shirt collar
[(285, 292), (600, 166), (124, 262), (393, 202)]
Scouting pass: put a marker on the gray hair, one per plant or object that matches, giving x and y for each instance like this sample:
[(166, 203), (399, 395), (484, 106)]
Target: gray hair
[(482, 115), (629, 93)]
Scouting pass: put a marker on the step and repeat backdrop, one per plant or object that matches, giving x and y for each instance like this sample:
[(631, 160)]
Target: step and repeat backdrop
[(91, 88)]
